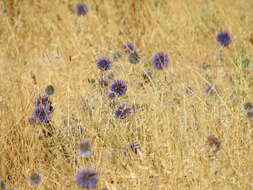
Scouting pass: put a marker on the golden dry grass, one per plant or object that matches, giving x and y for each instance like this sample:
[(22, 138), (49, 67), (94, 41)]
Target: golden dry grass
[(37, 39)]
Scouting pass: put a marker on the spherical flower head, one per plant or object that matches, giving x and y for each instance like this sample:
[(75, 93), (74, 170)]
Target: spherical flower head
[(81, 9), (119, 87), (49, 90), (104, 63), (42, 114), (85, 149), (128, 47), (34, 179), (43, 110), (223, 38), (122, 111), (160, 60), (87, 178), (134, 57), (248, 106), (213, 144), (249, 114)]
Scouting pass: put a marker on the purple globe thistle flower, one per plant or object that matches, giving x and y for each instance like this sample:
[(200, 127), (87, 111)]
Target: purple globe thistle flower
[(223, 38), (134, 57), (119, 87), (87, 178), (85, 149), (160, 60), (104, 63), (43, 110), (34, 179), (128, 47), (3, 185), (213, 144), (134, 147), (49, 90), (122, 111), (81, 9)]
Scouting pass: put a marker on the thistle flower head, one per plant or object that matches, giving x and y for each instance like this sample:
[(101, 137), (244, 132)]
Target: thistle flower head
[(49, 90), (128, 47), (85, 149), (34, 179), (104, 63), (249, 114), (43, 110), (119, 87), (87, 178), (81, 9), (223, 38), (160, 60), (213, 144), (248, 106), (134, 57), (122, 111)]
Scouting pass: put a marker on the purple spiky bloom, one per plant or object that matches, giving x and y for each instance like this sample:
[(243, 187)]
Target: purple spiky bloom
[(104, 63), (134, 57), (85, 149), (43, 110), (87, 178), (122, 111), (223, 38), (34, 179), (119, 87), (160, 60), (128, 47), (81, 9)]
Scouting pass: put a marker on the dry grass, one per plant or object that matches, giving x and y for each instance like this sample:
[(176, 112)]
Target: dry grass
[(37, 39)]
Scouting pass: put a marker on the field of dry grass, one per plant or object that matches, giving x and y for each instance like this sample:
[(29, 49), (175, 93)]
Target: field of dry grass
[(44, 42)]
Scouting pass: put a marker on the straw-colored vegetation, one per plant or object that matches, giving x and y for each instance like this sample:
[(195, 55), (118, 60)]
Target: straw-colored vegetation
[(43, 42)]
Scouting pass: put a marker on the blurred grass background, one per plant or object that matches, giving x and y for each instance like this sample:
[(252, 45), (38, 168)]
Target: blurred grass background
[(43, 42)]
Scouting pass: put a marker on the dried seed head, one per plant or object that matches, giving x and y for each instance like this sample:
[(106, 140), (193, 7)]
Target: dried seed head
[(213, 144)]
